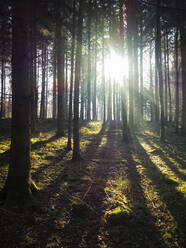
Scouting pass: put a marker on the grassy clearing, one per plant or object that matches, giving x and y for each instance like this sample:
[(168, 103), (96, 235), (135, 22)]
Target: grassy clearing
[(120, 195)]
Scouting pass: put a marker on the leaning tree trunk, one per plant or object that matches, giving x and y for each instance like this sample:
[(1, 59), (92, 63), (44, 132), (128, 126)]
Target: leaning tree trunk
[(76, 147), (17, 188)]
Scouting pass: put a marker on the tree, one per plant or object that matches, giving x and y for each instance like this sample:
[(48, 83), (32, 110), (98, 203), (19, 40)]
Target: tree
[(60, 71), (76, 147), (159, 68), (18, 186), (183, 65), (69, 147)]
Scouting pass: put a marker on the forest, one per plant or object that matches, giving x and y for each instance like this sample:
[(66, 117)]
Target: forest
[(93, 124)]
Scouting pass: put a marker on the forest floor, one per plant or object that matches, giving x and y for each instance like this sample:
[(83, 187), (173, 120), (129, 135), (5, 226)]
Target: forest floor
[(122, 194)]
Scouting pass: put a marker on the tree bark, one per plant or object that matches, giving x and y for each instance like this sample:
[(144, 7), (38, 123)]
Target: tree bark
[(159, 68), (89, 65), (183, 65), (54, 83), (60, 73), (95, 77), (177, 109), (17, 188), (76, 139), (69, 145)]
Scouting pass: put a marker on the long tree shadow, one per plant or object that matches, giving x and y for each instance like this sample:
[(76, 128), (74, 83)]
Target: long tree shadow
[(176, 151), (65, 201), (167, 188), (87, 195), (87, 226), (4, 157), (136, 228), (161, 151)]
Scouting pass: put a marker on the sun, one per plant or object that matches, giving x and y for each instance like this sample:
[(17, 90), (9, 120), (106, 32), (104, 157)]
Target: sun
[(116, 67)]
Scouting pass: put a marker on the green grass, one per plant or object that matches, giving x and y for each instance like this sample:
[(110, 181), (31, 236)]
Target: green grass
[(121, 194)]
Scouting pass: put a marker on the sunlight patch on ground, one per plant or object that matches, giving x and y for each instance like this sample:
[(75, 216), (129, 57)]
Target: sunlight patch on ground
[(116, 192), (4, 145), (170, 158), (151, 133), (163, 219), (91, 128), (103, 141), (163, 167)]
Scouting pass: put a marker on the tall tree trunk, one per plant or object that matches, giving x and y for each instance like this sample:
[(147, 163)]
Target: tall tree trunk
[(89, 65), (129, 7), (46, 88), (54, 83), (183, 65), (103, 72), (151, 84), (17, 188), (168, 82), (141, 72), (66, 81), (123, 89), (2, 110), (165, 77), (135, 63), (76, 147), (69, 145), (95, 77), (42, 106), (177, 109), (33, 68), (60, 73), (159, 68)]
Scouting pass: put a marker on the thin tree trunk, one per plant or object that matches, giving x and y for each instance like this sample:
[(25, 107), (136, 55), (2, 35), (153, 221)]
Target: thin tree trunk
[(54, 83), (151, 85), (103, 73), (166, 84), (60, 74), (42, 106), (169, 83), (159, 68), (69, 143), (95, 77), (141, 72), (89, 65), (183, 65), (2, 88), (129, 7), (76, 139), (177, 109)]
